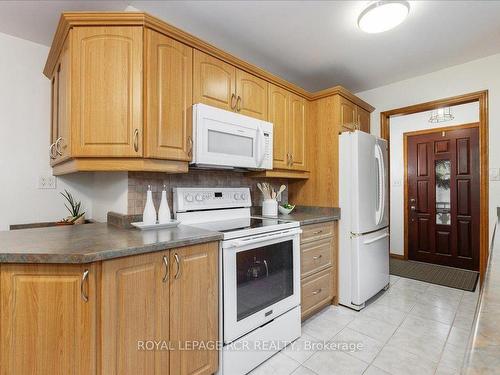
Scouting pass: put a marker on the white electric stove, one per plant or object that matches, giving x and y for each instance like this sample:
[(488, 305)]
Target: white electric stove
[(259, 295)]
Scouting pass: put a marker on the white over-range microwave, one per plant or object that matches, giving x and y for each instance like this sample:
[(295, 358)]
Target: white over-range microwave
[(224, 139)]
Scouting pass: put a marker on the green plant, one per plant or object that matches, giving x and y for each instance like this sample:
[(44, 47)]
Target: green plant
[(74, 207)]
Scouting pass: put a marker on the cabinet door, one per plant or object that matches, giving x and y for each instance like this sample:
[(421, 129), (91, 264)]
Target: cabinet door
[(279, 105), (107, 93), (298, 132), (47, 327), (194, 308), (135, 308), (348, 114), (60, 130), (169, 95), (363, 120), (214, 82), (251, 95)]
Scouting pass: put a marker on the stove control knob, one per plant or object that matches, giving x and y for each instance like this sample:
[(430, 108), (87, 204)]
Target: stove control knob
[(236, 196), (199, 197), (243, 196), (188, 198)]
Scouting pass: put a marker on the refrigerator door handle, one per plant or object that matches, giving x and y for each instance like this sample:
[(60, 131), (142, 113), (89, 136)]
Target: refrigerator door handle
[(379, 214), (381, 237)]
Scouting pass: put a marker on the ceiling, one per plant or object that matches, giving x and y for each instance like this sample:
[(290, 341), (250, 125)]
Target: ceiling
[(315, 44)]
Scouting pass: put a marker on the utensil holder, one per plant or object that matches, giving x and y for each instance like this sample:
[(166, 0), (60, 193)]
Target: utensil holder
[(270, 208)]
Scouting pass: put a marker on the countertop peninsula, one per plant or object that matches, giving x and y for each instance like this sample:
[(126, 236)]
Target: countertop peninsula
[(93, 242)]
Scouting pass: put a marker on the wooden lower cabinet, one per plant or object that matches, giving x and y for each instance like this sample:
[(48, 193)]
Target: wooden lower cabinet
[(318, 257), (60, 319), (47, 327)]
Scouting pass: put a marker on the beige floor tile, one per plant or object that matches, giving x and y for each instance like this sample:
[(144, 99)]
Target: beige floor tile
[(410, 284), (384, 313), (423, 345), (373, 328), (393, 279), (302, 371), (445, 370), (459, 337), (335, 363), (279, 364), (441, 291), (398, 362), (453, 357), (372, 370), (398, 302), (301, 349), (322, 329), (421, 326), (449, 302), (369, 347), (425, 311)]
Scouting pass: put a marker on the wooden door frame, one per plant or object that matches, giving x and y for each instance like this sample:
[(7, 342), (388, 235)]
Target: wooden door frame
[(482, 98)]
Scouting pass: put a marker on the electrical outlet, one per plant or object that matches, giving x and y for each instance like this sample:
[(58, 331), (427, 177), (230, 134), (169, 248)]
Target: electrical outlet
[(46, 182), (494, 174)]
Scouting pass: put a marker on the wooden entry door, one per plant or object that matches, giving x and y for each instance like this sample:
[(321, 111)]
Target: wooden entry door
[(443, 197)]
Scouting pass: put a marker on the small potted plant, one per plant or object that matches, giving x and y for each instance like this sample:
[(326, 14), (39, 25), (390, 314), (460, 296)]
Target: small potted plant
[(76, 217)]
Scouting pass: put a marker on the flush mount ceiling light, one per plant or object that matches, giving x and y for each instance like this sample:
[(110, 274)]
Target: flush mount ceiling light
[(381, 16)]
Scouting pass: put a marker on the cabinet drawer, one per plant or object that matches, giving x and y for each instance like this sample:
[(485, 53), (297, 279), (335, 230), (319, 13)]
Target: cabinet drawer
[(317, 291), (315, 232), (315, 256)]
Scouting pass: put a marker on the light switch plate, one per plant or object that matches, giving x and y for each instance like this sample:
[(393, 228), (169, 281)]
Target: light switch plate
[(494, 174), (46, 182)]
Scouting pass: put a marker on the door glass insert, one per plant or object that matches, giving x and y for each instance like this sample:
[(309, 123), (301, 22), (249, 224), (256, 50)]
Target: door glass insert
[(443, 198), (264, 276)]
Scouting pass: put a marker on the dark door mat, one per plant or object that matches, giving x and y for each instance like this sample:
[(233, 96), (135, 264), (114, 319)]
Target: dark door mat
[(433, 273)]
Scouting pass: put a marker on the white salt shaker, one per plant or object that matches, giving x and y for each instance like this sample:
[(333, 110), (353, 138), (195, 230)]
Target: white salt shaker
[(164, 210), (149, 214), (270, 208)]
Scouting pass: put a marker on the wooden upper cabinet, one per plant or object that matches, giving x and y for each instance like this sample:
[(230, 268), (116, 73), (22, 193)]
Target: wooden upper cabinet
[(279, 104), (47, 327), (194, 308), (214, 82), (298, 123), (251, 95), (107, 94), (60, 148), (169, 96), (363, 119), (136, 308), (348, 114)]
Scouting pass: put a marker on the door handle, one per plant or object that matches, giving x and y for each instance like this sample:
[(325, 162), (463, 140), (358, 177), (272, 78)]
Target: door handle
[(376, 239), (233, 104), (165, 262), (85, 296), (238, 104), (413, 208), (178, 263), (136, 140)]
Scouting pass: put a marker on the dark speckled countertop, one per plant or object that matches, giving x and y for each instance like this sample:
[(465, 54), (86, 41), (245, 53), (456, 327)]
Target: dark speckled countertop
[(309, 214), (93, 242)]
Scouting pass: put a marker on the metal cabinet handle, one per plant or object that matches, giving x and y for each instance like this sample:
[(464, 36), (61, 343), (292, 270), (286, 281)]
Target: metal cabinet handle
[(238, 103), (165, 262), (178, 263), (136, 140), (291, 159), (317, 291), (85, 296), (233, 104), (318, 231), (190, 146), (51, 151), (318, 257), (58, 146)]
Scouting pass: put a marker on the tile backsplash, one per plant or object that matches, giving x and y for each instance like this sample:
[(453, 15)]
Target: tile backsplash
[(138, 184)]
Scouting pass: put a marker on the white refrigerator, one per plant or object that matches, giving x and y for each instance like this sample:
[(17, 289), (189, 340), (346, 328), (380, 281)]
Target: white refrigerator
[(363, 227)]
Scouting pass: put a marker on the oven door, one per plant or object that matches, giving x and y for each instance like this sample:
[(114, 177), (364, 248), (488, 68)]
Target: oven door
[(261, 280), (227, 139)]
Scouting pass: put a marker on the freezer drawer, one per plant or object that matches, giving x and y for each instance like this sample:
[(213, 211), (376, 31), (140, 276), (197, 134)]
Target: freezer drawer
[(369, 265)]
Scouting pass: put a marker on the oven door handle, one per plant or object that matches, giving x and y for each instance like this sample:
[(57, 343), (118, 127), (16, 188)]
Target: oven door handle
[(262, 238)]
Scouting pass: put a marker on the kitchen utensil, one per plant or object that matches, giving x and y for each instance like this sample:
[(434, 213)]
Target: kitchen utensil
[(281, 190)]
